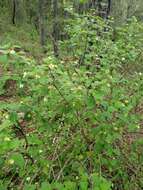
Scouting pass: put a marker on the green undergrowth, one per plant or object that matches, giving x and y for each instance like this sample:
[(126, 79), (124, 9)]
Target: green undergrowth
[(26, 36), (74, 122)]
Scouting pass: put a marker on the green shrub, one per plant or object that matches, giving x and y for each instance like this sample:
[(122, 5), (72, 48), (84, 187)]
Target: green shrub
[(71, 123)]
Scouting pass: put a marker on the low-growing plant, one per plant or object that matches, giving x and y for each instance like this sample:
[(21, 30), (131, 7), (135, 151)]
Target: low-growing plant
[(74, 122)]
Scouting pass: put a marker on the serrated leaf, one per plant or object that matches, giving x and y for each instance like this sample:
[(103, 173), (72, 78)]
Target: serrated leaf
[(3, 59), (18, 159)]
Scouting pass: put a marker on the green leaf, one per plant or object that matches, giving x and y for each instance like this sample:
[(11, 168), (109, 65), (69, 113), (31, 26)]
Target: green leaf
[(3, 59), (30, 187), (18, 159), (90, 102), (83, 185), (5, 125), (45, 186), (69, 185), (57, 186), (82, 1)]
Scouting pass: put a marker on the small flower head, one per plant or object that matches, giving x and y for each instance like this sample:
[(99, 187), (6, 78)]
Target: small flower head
[(12, 52), (126, 101), (11, 162), (37, 76), (77, 177), (28, 179), (138, 127), (21, 85), (115, 128), (6, 116), (40, 151), (49, 58), (52, 66), (45, 99), (24, 74), (7, 139), (79, 88)]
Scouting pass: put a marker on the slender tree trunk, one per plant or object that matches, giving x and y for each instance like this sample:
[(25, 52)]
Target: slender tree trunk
[(55, 28), (119, 10), (109, 7), (42, 20), (13, 12), (18, 12)]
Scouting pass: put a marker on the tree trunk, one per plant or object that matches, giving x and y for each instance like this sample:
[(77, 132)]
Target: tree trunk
[(42, 24), (55, 27), (13, 12), (18, 12), (122, 10)]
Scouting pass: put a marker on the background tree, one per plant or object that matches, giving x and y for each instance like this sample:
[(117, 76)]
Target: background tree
[(18, 12), (42, 22)]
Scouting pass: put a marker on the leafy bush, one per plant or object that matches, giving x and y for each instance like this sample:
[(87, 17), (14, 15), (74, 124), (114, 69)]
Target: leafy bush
[(74, 123)]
